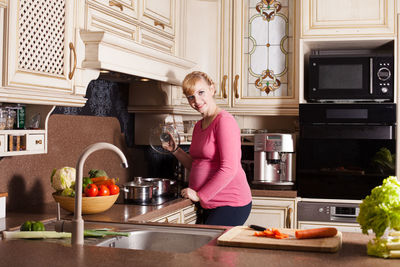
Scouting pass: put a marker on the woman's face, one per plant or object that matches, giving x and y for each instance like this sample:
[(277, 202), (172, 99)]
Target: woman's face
[(202, 98)]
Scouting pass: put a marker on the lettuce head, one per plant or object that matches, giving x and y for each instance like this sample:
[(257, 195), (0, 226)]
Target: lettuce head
[(63, 178), (381, 209)]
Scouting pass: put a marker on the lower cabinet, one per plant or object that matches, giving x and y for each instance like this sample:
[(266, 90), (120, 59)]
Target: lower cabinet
[(342, 227), (273, 212), (186, 215)]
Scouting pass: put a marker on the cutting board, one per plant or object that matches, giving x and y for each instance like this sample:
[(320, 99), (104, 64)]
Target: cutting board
[(243, 236)]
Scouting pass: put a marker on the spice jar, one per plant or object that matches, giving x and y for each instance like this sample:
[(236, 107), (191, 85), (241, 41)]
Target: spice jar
[(11, 114), (3, 119)]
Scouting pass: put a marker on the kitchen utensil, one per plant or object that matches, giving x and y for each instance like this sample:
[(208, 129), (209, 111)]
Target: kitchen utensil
[(243, 236), (163, 185), (257, 227), (138, 192), (163, 134), (90, 205)]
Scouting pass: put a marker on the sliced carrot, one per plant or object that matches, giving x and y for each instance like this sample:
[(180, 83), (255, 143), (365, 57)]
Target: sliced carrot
[(98, 179), (316, 233)]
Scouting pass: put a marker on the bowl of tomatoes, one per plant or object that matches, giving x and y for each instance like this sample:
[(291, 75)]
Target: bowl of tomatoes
[(98, 197)]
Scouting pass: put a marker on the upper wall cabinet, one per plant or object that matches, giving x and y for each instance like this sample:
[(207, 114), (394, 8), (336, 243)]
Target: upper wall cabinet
[(136, 37), (248, 49), (348, 18), (39, 53), (3, 3)]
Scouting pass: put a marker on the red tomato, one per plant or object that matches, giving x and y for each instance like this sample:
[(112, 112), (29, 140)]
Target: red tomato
[(91, 190), (114, 189), (104, 191)]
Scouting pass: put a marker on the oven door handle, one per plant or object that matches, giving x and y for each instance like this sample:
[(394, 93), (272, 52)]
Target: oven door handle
[(371, 76)]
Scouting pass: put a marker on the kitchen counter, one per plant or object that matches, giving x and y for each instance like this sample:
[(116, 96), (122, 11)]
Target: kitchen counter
[(37, 253)]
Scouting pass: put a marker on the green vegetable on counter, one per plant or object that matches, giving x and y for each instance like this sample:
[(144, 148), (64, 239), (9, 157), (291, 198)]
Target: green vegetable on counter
[(381, 209), (32, 226), (93, 173), (34, 234), (68, 192), (384, 248), (102, 233)]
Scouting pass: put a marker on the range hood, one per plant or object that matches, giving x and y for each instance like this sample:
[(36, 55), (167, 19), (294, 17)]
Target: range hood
[(107, 52)]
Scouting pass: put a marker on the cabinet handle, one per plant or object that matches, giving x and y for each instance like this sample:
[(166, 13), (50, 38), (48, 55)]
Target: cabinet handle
[(38, 142), (71, 74), (235, 85), (114, 3), (288, 218), (166, 220), (224, 86), (157, 23)]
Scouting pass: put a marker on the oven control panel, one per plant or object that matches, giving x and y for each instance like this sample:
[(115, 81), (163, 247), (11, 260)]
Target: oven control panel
[(327, 211)]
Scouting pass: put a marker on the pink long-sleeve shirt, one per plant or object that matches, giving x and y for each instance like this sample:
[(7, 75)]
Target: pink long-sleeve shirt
[(217, 174)]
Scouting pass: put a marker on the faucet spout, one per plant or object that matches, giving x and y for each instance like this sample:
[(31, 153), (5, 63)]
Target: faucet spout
[(77, 221)]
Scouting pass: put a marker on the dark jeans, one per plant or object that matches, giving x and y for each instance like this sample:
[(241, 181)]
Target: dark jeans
[(226, 215)]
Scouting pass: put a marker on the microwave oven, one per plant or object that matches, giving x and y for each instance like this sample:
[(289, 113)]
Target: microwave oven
[(350, 78)]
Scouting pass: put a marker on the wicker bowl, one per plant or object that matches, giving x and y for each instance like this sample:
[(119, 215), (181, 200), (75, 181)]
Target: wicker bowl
[(90, 205)]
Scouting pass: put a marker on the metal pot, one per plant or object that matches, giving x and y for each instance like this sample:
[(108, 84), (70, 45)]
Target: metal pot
[(138, 192), (163, 185)]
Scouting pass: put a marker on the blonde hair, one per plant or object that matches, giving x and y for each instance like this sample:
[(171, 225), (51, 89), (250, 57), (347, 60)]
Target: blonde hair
[(191, 79)]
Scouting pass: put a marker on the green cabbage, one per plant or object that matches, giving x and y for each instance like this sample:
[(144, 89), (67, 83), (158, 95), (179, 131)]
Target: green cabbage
[(381, 209), (63, 178), (93, 173)]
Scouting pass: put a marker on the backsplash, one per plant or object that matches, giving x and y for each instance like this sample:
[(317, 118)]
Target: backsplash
[(106, 99)]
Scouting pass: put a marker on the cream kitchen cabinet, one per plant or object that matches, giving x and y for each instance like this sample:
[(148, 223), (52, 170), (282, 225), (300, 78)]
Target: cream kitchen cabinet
[(273, 212), (39, 54), (186, 215), (3, 3), (247, 48), (342, 227), (323, 18), (149, 22)]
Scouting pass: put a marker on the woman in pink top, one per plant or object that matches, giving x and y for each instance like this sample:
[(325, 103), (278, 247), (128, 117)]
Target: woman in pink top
[(217, 180)]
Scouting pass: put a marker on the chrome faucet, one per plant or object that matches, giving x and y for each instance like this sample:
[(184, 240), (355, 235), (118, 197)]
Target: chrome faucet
[(77, 221)]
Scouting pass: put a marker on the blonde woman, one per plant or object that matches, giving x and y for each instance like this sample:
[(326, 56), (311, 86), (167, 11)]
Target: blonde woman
[(217, 180)]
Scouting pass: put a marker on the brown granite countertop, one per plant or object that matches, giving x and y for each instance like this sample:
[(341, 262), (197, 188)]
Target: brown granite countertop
[(273, 193), (37, 253)]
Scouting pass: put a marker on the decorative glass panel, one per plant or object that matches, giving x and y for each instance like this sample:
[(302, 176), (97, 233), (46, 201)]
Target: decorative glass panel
[(268, 46)]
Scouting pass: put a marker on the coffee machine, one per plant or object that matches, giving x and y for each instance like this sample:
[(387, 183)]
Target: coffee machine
[(274, 160)]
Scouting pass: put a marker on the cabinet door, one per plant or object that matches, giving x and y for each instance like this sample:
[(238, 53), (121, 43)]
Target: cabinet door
[(40, 45), (3, 3), (263, 55), (159, 14), (348, 18), (207, 39), (272, 212)]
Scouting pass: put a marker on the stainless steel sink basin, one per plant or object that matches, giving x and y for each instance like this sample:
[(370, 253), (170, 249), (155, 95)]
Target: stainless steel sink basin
[(168, 239)]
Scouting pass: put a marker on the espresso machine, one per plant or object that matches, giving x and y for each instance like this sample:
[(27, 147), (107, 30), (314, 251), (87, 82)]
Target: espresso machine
[(274, 160)]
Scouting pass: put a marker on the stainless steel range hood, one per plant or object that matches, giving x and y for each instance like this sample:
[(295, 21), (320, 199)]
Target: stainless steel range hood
[(104, 51)]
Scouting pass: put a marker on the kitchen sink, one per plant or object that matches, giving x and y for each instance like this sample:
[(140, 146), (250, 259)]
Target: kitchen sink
[(168, 239)]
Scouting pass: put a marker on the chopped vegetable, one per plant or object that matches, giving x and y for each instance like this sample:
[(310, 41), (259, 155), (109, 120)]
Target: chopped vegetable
[(97, 173), (63, 178), (35, 234), (272, 233), (381, 209), (32, 226), (316, 233)]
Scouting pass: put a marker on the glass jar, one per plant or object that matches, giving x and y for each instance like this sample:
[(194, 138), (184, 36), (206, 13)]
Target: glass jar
[(3, 118), (11, 114)]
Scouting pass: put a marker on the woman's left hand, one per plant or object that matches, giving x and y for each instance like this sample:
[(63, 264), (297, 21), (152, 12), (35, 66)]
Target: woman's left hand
[(190, 194)]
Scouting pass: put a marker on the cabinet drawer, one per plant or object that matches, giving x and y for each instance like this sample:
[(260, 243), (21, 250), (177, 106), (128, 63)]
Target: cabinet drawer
[(2, 143), (100, 17), (158, 41), (36, 142), (170, 218), (159, 15)]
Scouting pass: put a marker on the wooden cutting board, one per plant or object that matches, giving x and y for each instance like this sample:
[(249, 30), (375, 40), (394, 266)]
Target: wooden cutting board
[(243, 236)]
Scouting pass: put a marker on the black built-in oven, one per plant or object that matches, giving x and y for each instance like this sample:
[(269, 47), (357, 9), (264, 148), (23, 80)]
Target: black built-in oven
[(344, 150)]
